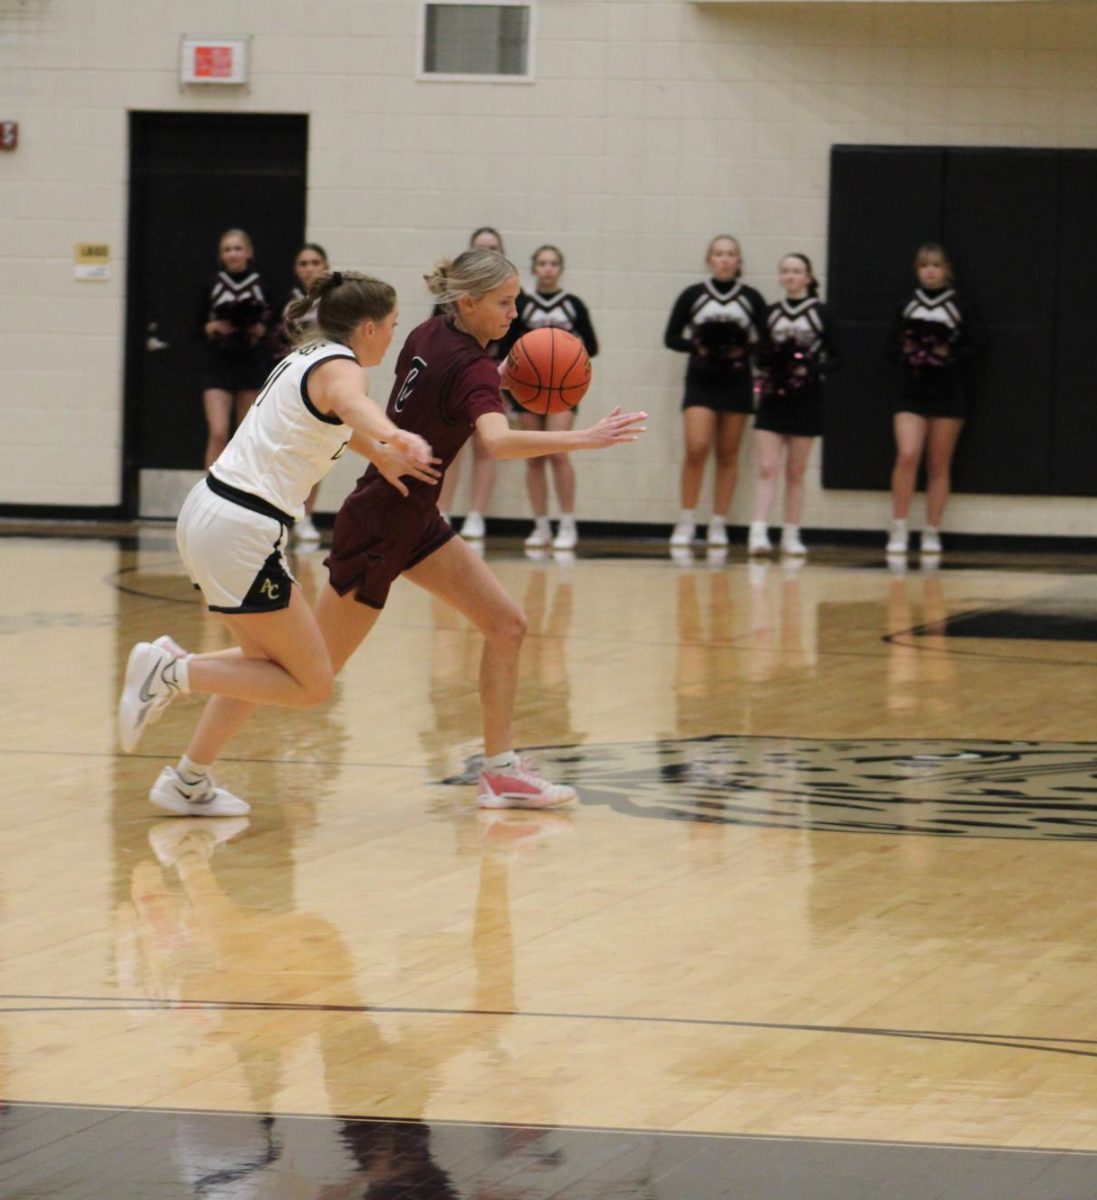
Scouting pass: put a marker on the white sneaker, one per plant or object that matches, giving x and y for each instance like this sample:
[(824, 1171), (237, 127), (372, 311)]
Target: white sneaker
[(151, 684), (539, 539), (717, 532), (567, 538), (306, 532), (683, 534), (930, 542), (758, 542), (166, 642), (205, 799), (473, 526), (898, 540), (793, 546), (519, 786)]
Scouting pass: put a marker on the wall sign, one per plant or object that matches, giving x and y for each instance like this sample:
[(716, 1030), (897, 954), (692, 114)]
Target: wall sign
[(214, 61), (91, 261)]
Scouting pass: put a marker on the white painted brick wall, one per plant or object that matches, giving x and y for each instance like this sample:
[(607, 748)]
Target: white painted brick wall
[(651, 126)]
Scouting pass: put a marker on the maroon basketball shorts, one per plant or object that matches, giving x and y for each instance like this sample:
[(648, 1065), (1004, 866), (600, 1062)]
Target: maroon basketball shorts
[(377, 537)]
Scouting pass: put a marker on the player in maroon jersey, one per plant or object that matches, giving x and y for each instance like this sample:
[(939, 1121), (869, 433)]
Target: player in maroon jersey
[(447, 386)]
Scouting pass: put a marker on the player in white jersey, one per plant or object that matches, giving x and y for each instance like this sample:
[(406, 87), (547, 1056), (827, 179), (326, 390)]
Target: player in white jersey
[(233, 528)]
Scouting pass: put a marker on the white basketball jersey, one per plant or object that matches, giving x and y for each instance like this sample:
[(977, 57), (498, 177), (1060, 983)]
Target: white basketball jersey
[(284, 446)]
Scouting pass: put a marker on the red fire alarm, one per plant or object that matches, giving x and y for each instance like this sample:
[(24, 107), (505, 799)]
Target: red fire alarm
[(9, 135)]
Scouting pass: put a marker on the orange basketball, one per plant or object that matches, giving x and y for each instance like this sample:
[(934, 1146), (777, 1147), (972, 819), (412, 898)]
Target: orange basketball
[(547, 371)]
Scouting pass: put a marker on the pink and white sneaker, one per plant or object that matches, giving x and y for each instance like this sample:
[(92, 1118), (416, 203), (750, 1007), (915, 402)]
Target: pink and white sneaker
[(519, 786)]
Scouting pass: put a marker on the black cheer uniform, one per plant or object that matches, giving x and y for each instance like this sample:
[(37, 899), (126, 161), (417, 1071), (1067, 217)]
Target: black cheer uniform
[(799, 347), (233, 363), (717, 325), (932, 343)]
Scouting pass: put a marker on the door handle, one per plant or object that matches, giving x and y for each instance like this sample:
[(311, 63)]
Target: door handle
[(152, 342)]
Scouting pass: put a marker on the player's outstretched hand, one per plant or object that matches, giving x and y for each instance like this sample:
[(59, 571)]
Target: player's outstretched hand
[(403, 456), (412, 447), (614, 428)]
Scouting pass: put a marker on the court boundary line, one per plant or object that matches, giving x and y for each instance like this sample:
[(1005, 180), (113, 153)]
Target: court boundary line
[(1049, 1045)]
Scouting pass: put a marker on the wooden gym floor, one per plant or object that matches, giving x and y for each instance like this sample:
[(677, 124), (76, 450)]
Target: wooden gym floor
[(821, 926)]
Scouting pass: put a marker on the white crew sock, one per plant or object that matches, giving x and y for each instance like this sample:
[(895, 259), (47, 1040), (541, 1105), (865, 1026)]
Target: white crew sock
[(542, 525), (567, 520), (498, 762), (192, 773)]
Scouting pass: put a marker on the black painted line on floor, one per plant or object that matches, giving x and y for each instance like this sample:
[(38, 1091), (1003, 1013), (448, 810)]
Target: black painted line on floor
[(1051, 1045)]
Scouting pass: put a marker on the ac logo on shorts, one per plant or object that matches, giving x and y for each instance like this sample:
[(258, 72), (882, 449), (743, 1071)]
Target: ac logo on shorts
[(270, 589)]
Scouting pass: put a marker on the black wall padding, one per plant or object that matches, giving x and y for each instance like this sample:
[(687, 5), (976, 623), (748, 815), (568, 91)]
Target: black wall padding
[(1074, 416), (1016, 224), (1000, 217)]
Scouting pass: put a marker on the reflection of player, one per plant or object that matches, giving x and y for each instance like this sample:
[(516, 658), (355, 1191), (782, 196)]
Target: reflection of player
[(550, 617), (196, 943), (705, 683), (921, 673)]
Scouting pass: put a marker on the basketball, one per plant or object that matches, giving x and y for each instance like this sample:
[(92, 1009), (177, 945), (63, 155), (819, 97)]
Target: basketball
[(547, 371)]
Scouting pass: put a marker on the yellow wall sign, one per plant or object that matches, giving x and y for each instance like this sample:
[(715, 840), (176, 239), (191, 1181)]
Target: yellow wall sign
[(91, 260)]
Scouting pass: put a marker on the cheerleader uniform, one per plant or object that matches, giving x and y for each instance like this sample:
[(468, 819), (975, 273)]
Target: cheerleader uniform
[(554, 310), (932, 385), (232, 363), (791, 389), (551, 310), (726, 320)]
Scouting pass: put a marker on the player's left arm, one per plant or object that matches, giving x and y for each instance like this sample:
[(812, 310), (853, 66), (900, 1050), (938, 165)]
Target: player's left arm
[(501, 441)]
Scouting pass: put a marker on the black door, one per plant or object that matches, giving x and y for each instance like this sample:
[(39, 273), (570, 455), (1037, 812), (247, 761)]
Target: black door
[(192, 176)]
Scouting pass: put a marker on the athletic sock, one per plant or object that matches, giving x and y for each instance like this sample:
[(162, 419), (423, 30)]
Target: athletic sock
[(499, 762), (192, 773), (177, 673)]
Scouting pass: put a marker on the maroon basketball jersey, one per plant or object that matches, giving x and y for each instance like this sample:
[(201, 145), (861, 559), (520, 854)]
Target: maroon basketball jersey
[(444, 381)]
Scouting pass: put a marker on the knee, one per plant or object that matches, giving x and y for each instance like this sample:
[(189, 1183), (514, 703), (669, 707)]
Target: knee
[(795, 475), (696, 456), (767, 471), (317, 687), (938, 470), (535, 466), (907, 460), (559, 461), (508, 629), (727, 460)]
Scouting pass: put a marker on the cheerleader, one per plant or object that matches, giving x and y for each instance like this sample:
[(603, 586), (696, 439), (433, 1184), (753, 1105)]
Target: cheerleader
[(799, 345), (548, 305), (235, 318), (310, 262), (932, 342), (483, 465), (717, 323)]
